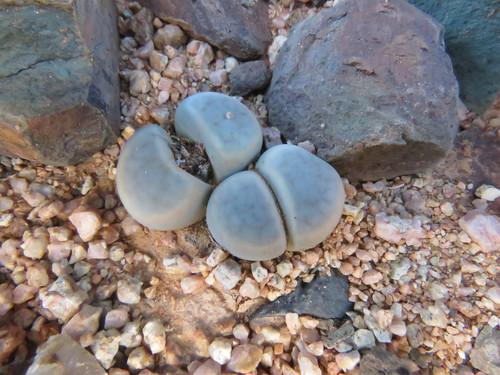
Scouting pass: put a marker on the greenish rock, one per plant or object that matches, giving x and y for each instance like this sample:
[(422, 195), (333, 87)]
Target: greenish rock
[(471, 34), (59, 97), (309, 192), (243, 217), (231, 134), (153, 189)]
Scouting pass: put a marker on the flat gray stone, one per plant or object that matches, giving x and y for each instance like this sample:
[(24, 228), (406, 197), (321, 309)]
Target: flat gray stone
[(325, 297)]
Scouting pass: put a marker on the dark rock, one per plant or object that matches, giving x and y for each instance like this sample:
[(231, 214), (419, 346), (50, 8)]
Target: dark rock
[(60, 98), (16, 367), (240, 28), (380, 362), (485, 355), (325, 297), (474, 158), (471, 36), (141, 25), (318, 3), (370, 85), (249, 77)]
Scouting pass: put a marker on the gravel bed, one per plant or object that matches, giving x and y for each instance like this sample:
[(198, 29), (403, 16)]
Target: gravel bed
[(420, 253)]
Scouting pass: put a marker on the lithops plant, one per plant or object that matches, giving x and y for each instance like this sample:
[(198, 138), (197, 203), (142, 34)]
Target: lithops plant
[(303, 195), (153, 189), (231, 134), (291, 200), (159, 194), (243, 217)]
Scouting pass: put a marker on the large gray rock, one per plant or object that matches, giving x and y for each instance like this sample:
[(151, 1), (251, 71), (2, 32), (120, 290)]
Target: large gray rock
[(241, 28), (59, 86), (471, 36), (370, 84)]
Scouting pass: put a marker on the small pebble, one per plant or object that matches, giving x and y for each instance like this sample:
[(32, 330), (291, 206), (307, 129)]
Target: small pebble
[(230, 63), (348, 361), (131, 336), (85, 321), (204, 56), (35, 247), (241, 332), (228, 273), (129, 291), (87, 222), (250, 289), (372, 277), (139, 359), (97, 250), (116, 318), (6, 204), (308, 365), (363, 339), (105, 347), (216, 256), (220, 350), (245, 358), (158, 61), (154, 336), (209, 367), (259, 273), (488, 192), (139, 82), (175, 68), (37, 276), (218, 77), (192, 284)]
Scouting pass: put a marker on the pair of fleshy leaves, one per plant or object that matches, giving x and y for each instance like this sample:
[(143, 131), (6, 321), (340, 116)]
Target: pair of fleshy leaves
[(292, 200)]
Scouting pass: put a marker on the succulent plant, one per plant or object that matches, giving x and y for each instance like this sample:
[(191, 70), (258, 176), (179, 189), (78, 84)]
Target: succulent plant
[(291, 200), (291, 191), (153, 189), (231, 134)]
